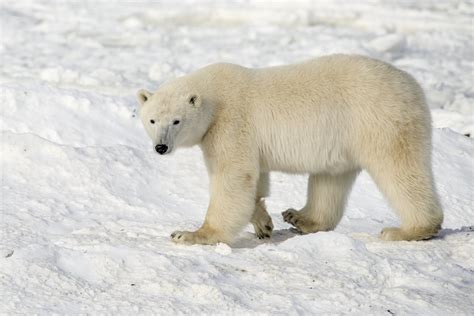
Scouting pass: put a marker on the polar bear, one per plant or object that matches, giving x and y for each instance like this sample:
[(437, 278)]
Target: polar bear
[(329, 117)]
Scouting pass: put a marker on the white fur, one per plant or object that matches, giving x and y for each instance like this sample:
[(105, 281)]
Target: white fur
[(329, 117)]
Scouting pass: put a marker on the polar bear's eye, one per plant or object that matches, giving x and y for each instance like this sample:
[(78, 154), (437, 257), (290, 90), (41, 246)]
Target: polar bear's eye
[(176, 122), (152, 121)]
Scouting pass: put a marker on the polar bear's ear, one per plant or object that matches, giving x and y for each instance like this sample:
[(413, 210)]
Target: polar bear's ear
[(194, 100), (143, 95)]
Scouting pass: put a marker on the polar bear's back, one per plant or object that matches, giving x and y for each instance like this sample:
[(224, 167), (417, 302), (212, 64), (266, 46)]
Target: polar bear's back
[(333, 108), (338, 79)]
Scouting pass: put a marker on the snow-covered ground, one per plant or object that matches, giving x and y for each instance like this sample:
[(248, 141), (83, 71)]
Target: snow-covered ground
[(87, 207)]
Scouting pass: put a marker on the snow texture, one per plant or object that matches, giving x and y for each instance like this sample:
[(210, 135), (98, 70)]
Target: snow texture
[(87, 206)]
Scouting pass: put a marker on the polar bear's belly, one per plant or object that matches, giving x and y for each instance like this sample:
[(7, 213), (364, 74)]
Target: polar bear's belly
[(304, 138), (305, 156)]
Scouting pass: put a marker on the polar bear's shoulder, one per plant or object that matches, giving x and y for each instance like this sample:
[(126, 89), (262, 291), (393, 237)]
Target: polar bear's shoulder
[(221, 69)]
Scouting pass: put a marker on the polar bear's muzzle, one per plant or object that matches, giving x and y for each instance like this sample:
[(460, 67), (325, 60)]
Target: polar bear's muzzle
[(167, 136)]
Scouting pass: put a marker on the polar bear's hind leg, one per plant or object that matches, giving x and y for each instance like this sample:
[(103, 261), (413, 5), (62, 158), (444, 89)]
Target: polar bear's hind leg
[(327, 196), (407, 183)]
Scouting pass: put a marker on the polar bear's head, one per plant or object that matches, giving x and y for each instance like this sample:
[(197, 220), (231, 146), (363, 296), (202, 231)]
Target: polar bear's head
[(174, 116)]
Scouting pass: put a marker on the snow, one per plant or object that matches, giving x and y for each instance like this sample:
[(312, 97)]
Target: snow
[(87, 207)]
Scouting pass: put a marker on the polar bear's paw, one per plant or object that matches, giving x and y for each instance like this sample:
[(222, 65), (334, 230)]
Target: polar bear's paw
[(301, 222), (261, 221), (183, 237), (204, 236), (396, 234), (263, 229)]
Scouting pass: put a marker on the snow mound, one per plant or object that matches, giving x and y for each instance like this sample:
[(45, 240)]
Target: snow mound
[(391, 43)]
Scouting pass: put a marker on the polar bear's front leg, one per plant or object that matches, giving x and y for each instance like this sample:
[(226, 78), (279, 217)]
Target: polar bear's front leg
[(261, 221), (230, 209)]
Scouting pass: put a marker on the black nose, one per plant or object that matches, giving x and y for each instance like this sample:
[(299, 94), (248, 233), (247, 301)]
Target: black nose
[(161, 148)]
